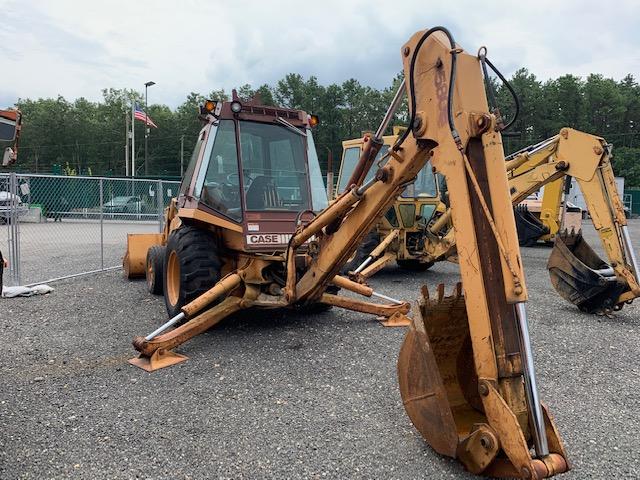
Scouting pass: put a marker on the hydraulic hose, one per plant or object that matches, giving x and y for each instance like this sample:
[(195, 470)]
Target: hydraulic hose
[(485, 61)]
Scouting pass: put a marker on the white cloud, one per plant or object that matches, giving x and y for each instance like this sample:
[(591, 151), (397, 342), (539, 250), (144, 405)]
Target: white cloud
[(77, 48)]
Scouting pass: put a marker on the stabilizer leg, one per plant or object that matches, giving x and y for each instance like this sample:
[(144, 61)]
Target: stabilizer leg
[(160, 359), (167, 341), (395, 313), (396, 320)]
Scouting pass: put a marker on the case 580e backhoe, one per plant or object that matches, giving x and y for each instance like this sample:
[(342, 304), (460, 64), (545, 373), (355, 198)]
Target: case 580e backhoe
[(416, 231), (465, 367)]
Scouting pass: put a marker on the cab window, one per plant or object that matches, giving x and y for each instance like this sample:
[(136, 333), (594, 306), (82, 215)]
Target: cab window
[(220, 189), (424, 186), (274, 170), (350, 160), (188, 174)]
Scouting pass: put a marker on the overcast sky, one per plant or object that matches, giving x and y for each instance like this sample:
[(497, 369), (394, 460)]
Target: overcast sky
[(75, 48)]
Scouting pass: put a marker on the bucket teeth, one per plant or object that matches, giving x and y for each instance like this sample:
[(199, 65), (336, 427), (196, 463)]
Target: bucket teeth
[(440, 304), (456, 292)]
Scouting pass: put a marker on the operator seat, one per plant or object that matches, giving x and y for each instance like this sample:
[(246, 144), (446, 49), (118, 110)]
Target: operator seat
[(262, 193)]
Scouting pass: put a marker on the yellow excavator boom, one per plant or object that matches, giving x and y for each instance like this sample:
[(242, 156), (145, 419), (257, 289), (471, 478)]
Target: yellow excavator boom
[(577, 273)]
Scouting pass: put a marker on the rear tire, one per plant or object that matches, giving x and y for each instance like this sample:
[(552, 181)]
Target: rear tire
[(191, 266), (155, 269)]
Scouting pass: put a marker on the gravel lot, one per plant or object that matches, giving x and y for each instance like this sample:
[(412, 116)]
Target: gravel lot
[(274, 395)]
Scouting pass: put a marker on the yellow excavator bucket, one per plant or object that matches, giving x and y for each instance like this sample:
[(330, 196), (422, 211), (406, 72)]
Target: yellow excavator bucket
[(443, 397), (581, 277)]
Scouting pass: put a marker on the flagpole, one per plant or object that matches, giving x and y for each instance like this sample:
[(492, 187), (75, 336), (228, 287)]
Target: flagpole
[(126, 147), (146, 128), (133, 139)]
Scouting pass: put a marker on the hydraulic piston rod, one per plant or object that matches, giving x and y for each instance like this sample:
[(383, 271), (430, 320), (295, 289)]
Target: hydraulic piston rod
[(178, 318), (632, 254), (391, 110), (533, 399)]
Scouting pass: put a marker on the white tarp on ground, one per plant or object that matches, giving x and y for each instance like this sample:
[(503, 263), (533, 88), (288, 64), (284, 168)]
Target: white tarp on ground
[(26, 291)]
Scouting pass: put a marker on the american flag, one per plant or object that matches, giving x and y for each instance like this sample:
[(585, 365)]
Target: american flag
[(140, 115)]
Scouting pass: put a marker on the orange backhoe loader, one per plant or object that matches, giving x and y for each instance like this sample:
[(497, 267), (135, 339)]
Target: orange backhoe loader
[(465, 368)]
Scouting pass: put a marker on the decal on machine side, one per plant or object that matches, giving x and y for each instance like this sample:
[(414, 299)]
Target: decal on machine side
[(270, 238)]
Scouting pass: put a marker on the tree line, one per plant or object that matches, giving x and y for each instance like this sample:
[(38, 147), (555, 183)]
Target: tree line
[(85, 137)]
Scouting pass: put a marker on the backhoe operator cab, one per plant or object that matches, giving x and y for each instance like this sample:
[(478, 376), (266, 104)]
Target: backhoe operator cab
[(253, 171), (253, 177)]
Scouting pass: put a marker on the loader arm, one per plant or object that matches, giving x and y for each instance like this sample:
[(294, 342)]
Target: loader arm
[(587, 158)]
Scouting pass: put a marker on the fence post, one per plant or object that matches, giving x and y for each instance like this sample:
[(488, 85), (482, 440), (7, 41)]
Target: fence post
[(14, 232), (160, 197), (101, 225)]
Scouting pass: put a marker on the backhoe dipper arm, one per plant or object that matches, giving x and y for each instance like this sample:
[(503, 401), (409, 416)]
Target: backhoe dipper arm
[(587, 158), (492, 437)]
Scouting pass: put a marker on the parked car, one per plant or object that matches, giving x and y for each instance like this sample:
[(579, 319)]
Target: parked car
[(125, 204), (8, 201)]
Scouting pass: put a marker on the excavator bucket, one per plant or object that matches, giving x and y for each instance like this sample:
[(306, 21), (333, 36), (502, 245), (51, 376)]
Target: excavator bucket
[(529, 227), (580, 276), (441, 393), (436, 344)]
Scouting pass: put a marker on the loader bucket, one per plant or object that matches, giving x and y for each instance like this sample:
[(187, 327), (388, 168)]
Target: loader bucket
[(134, 262), (529, 227), (580, 276)]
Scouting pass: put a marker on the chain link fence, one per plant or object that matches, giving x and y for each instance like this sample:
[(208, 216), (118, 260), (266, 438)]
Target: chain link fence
[(54, 227)]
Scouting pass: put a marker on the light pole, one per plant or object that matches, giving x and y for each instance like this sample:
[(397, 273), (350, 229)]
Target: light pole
[(146, 128)]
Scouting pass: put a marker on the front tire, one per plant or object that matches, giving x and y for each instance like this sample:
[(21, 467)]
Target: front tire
[(191, 266)]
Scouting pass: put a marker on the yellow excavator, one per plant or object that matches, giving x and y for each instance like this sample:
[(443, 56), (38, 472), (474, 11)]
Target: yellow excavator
[(466, 370), (416, 231)]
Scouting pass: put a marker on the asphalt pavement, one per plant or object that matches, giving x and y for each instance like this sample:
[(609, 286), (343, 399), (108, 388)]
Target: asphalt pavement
[(273, 394)]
